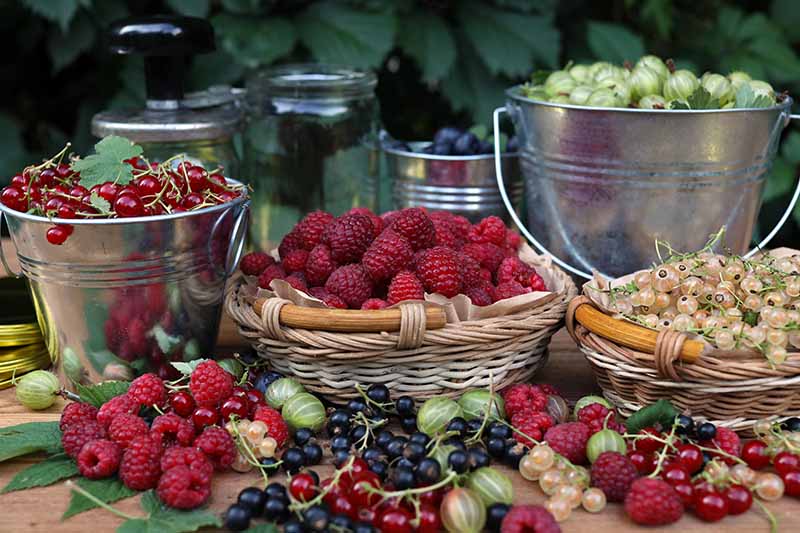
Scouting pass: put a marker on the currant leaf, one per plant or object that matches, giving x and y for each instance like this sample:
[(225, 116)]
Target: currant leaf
[(108, 162)]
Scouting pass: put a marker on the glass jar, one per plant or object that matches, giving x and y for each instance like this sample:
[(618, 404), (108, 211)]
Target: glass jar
[(310, 142)]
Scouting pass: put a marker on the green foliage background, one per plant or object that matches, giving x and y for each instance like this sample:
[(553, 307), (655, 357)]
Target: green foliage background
[(439, 62)]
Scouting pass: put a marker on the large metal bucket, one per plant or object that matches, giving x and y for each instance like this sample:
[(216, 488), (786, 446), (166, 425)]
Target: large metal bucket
[(125, 296), (602, 184)]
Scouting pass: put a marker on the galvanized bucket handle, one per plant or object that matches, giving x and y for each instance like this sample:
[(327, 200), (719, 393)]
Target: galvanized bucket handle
[(6, 266), (501, 185), (238, 233)]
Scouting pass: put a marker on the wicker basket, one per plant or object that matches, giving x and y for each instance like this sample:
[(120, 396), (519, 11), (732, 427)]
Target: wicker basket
[(397, 347), (636, 366)]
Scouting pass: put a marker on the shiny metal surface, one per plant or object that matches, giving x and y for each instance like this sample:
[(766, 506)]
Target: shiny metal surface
[(603, 184), (125, 296), (464, 185)]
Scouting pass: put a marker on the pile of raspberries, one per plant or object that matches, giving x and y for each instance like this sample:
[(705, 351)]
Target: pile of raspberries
[(364, 261)]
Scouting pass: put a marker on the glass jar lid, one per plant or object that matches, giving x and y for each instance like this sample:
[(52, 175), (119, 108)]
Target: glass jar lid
[(312, 81)]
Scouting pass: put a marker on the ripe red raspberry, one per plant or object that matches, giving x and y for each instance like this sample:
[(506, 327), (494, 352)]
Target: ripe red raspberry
[(76, 435), (351, 283), (523, 396), (99, 458), (348, 237), (405, 286), (141, 463), (509, 289), (377, 222), (513, 269), (173, 429), (77, 413), (653, 502), (727, 441), (275, 271), (446, 236), (531, 423), (388, 217), (118, 405), (481, 295), (536, 283), (298, 281), (529, 519), (254, 263), (513, 241), (147, 390), (218, 447), (124, 428), (597, 416), (569, 440), (613, 473), (276, 426), (319, 265), (491, 229), (387, 255), (184, 456), (311, 228), (184, 488), (550, 390), (438, 270), (331, 300), (461, 225), (488, 255), (291, 241), (470, 270), (295, 261), (210, 384), (374, 303), (416, 226)]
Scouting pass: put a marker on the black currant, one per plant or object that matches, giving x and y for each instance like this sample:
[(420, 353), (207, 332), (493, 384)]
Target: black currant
[(514, 455), (269, 464), (340, 457), (684, 425), (404, 405), (419, 437), (302, 436), (428, 471), (395, 446), (372, 454), (458, 425), (706, 431), (447, 134), (402, 462), (383, 438), (496, 447), (357, 405), (403, 478), (316, 518), (342, 523), (264, 380), (414, 452), (458, 461), (340, 443), (477, 458), (456, 442), (276, 510), (494, 516), (378, 393), (276, 491), (293, 526), (498, 430), (313, 453), (252, 498), (474, 425), (379, 468), (791, 424), (293, 460), (362, 527), (339, 422), (357, 433), (408, 423), (237, 518)]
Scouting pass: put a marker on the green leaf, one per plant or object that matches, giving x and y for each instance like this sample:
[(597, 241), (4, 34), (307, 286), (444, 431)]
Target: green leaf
[(780, 180), (509, 42), (658, 14), (699, 99), (30, 437), (15, 156), (480, 131), (47, 472), (254, 41), (613, 42), (99, 394), (216, 68), (166, 342), (786, 14), (336, 33), (65, 47), (187, 368), (107, 490), (540, 76), (662, 412), (190, 8), (431, 44), (106, 164), (162, 519), (58, 11), (746, 98), (243, 7), (750, 318), (100, 203)]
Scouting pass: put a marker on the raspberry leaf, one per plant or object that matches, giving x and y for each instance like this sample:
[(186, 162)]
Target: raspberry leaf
[(108, 162), (47, 472), (187, 368), (162, 519), (662, 412), (106, 490), (99, 394), (30, 437)]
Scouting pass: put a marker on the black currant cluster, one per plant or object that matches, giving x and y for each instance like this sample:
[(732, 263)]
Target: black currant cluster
[(495, 441), (455, 141), (271, 504), (305, 452)]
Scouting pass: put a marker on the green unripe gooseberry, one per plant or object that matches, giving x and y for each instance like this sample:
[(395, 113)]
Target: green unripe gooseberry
[(653, 101), (580, 73), (610, 71), (303, 410), (463, 511), (737, 78), (534, 92), (436, 413), (719, 87), (37, 390), (762, 88), (594, 68), (605, 440), (655, 64), (580, 94), (476, 403), (644, 81), (281, 390), (559, 99), (557, 82), (603, 97), (491, 486), (680, 85)]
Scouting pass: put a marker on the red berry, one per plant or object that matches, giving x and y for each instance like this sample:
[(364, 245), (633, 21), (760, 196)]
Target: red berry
[(14, 198), (597, 417), (234, 406), (710, 507), (377, 222), (185, 456), (513, 269), (645, 444), (182, 403), (146, 186), (728, 442), (405, 286), (686, 492), (302, 487), (173, 429), (358, 466), (531, 423), (491, 229), (416, 226), (128, 205), (341, 505), (387, 255), (126, 427), (76, 435), (569, 440), (348, 237), (509, 289), (148, 390), (331, 300), (523, 396), (429, 521), (118, 405), (396, 521), (57, 235), (786, 462), (184, 488), (645, 463), (438, 270), (270, 273), (739, 499), (614, 474), (319, 265), (218, 446), (276, 425), (298, 281), (77, 413), (210, 384), (359, 494), (755, 454), (295, 261), (254, 263), (691, 457), (675, 474), (311, 228), (108, 191), (140, 467), (350, 283), (374, 304), (652, 502), (529, 518), (791, 483), (99, 459), (204, 416)]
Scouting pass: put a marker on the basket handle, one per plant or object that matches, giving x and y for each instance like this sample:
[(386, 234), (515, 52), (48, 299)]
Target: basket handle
[(3, 259)]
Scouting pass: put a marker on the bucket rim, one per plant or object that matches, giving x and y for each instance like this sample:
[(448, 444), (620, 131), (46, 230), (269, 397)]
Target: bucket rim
[(513, 93), (10, 213), (434, 157)]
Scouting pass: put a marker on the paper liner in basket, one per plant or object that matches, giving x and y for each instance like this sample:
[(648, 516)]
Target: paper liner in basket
[(458, 308)]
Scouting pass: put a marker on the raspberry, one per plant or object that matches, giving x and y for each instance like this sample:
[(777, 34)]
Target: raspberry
[(275, 271), (124, 428), (598, 416), (99, 458), (460, 225), (569, 440), (147, 390), (388, 217), (297, 281), (374, 303), (377, 222), (513, 241), (416, 226), (523, 396), (488, 255), (276, 426), (291, 241), (531, 423), (191, 457), (480, 295), (350, 283), (210, 384), (254, 263), (513, 269), (438, 270), (140, 467), (387, 255), (118, 405), (536, 283), (173, 429), (405, 286), (295, 261), (653, 502), (218, 447), (727, 441), (445, 236), (470, 270), (489, 230), (331, 300), (550, 390), (76, 435), (311, 228), (348, 237), (77, 413), (529, 519), (509, 289), (613, 473), (184, 488), (319, 265)]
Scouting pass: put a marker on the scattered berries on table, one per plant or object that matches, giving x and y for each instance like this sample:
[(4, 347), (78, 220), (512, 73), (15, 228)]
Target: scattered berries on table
[(276, 425)]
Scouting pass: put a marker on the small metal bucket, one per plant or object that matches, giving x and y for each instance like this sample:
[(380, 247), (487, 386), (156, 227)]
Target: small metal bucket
[(125, 296), (464, 185), (603, 183)]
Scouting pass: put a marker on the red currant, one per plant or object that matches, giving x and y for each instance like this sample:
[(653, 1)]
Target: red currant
[(197, 178), (786, 462), (686, 492), (301, 487), (19, 181), (65, 211), (644, 463), (755, 454), (359, 465), (429, 521), (192, 200), (710, 506), (648, 445), (432, 497), (63, 170), (360, 494), (217, 183), (254, 397), (57, 235), (342, 505), (203, 416), (128, 205), (47, 177), (396, 521), (234, 406), (331, 491), (182, 403), (78, 191), (675, 474), (791, 483), (739, 499), (227, 196), (13, 198), (147, 186), (691, 457)]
